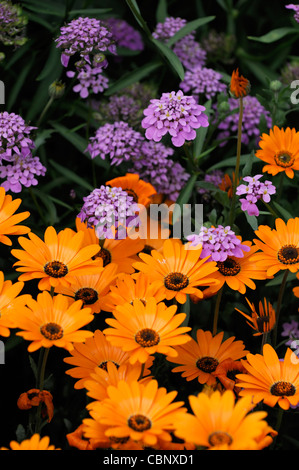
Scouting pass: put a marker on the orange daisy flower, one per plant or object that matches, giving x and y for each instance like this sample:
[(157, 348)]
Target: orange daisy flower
[(121, 252), (96, 352), (271, 380), (279, 247), (10, 301), (76, 439), (219, 422), (262, 322), (56, 260), (226, 374), (227, 184), (52, 321), (143, 330), (140, 411), (239, 85), (8, 218), (127, 289), (177, 270), (199, 359), (36, 442), (91, 288), (280, 151), (135, 187)]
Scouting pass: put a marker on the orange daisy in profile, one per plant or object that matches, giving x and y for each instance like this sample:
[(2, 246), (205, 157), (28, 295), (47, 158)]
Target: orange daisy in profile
[(226, 373), (128, 288), (279, 247), (96, 352), (270, 379), (36, 442), (91, 288), (56, 260), (262, 322), (9, 220), (178, 270), (280, 151), (200, 358), (238, 273), (121, 252), (219, 422), (10, 302), (143, 330), (135, 187), (139, 411), (239, 85), (52, 321), (227, 184)]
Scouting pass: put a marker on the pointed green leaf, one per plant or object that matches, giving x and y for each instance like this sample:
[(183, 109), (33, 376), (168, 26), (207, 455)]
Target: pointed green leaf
[(171, 58), (188, 28), (274, 35)]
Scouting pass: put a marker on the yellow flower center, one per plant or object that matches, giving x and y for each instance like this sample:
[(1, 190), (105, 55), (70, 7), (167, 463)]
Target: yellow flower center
[(105, 255), (229, 267), (281, 388), (207, 364), (288, 254), (284, 159), (219, 438), (56, 269), (176, 281), (147, 338), (51, 331), (87, 295), (139, 423)]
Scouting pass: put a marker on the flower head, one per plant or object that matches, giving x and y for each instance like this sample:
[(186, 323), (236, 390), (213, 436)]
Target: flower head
[(202, 81), (239, 85), (14, 136), (125, 35), (295, 8), (36, 442), (12, 24), (263, 321), (176, 114), (36, 397), (290, 330), (280, 151), (141, 191), (9, 220), (254, 191), (21, 172), (91, 80)]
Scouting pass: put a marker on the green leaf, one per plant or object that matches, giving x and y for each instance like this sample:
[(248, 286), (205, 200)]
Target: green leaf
[(132, 4), (50, 214), (72, 176), (89, 11), (52, 63), (17, 87), (188, 28), (252, 220), (274, 35), (183, 198), (52, 9), (161, 12), (201, 134), (170, 57), (285, 214), (231, 162), (132, 77)]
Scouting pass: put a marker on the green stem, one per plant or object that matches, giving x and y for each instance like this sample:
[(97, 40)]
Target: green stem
[(216, 311), (40, 212), (270, 209), (237, 167), (277, 426), (44, 111), (41, 379), (280, 186), (278, 307)]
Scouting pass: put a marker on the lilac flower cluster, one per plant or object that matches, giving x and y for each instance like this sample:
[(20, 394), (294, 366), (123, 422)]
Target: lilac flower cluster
[(84, 36), (124, 34), (203, 81), (215, 178), (218, 243), (154, 165), (291, 6), (91, 79), (187, 48), (17, 164), (118, 140), (110, 211), (176, 114), (254, 191), (290, 330), (252, 113), (12, 24)]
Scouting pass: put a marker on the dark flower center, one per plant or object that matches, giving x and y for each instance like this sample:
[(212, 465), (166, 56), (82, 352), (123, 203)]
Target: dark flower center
[(147, 338), (56, 269), (288, 254), (103, 365), (284, 159), (87, 295), (132, 194), (229, 267), (281, 388), (105, 255), (147, 249), (51, 331), (139, 423), (176, 281), (207, 364), (219, 438)]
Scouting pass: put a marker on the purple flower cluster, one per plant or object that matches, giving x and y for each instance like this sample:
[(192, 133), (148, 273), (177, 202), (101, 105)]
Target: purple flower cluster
[(125, 35), (84, 36), (176, 114), (203, 81), (215, 178), (12, 24), (187, 48), (290, 330), (291, 6), (91, 79), (118, 140), (17, 164), (110, 211), (218, 243), (154, 166), (252, 113), (254, 191)]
